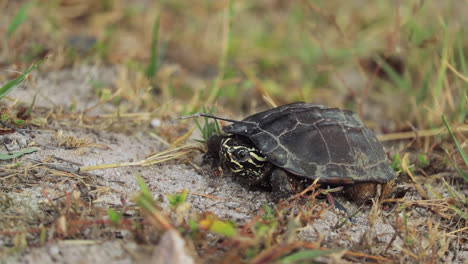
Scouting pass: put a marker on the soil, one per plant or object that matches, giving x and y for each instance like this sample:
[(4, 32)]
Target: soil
[(221, 196)]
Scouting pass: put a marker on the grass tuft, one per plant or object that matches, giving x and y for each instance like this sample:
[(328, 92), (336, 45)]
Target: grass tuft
[(177, 198), (210, 126)]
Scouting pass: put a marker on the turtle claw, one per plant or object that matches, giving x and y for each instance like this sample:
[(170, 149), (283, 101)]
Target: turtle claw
[(334, 203), (280, 184)]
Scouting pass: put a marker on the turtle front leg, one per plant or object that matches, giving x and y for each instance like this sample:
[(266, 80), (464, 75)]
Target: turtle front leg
[(282, 184)]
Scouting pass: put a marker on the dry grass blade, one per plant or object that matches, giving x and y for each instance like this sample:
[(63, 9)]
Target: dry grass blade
[(141, 116), (457, 73), (457, 231), (437, 206), (421, 133), (272, 254), (160, 157), (206, 196), (183, 138), (311, 187), (404, 165), (171, 154), (367, 256), (275, 252)]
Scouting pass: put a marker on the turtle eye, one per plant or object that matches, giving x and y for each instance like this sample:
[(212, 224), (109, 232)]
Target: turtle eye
[(242, 154)]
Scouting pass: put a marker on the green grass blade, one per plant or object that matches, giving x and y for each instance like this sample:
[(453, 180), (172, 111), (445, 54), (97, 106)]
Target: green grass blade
[(113, 216), (19, 18), (145, 192), (458, 170), (15, 154), (14, 83), (460, 150), (209, 128), (227, 44), (462, 109), (393, 75), (43, 235), (443, 66), (223, 228), (307, 255), (426, 85), (199, 127), (461, 55), (459, 211), (153, 64), (218, 129), (31, 105)]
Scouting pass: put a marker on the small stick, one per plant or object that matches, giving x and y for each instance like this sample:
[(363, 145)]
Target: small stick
[(21, 132), (196, 115), (14, 128)]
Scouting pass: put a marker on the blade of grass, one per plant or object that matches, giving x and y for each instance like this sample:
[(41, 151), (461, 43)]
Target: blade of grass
[(145, 192), (145, 201), (461, 55), (457, 169), (459, 148), (453, 193), (463, 70), (212, 223), (307, 255), (19, 18), (14, 83), (454, 207), (31, 105), (153, 64), (394, 76), (15, 154), (113, 216), (443, 67), (209, 128), (426, 84)]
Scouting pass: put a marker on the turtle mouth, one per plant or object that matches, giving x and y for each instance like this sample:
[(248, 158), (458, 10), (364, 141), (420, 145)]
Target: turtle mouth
[(242, 159)]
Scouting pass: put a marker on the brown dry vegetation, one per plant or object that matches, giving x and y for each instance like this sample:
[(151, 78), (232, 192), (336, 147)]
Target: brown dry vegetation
[(400, 64)]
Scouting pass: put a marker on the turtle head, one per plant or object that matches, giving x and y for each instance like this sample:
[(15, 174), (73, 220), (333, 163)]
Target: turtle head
[(243, 159)]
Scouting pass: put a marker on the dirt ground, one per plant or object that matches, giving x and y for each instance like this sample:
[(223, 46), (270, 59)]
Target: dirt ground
[(225, 198)]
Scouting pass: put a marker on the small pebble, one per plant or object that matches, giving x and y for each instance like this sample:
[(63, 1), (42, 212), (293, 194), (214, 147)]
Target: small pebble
[(156, 123), (54, 250)]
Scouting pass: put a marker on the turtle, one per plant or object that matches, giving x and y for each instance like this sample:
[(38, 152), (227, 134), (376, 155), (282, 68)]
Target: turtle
[(286, 148)]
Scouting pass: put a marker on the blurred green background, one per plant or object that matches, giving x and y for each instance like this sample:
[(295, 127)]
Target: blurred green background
[(399, 64)]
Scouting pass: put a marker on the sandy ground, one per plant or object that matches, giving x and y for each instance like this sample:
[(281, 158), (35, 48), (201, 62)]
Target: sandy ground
[(232, 200)]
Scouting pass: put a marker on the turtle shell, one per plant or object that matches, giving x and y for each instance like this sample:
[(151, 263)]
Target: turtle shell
[(317, 142)]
